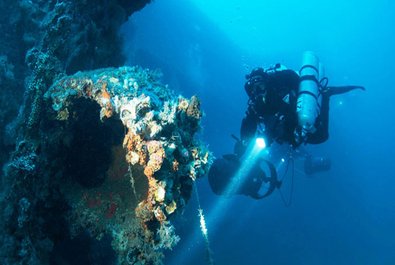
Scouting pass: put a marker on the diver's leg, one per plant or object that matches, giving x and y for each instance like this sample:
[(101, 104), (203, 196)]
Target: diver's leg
[(336, 90)]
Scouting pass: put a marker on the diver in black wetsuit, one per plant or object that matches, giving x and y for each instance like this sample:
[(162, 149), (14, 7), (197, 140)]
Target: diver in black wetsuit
[(272, 102), (273, 95)]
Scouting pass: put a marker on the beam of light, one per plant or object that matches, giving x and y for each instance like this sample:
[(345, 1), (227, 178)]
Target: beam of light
[(256, 150), (260, 142), (247, 163)]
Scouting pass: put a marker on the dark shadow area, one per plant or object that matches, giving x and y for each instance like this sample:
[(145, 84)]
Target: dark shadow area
[(84, 250), (89, 155)]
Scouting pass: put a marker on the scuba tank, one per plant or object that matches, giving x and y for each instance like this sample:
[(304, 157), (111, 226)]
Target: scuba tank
[(309, 95)]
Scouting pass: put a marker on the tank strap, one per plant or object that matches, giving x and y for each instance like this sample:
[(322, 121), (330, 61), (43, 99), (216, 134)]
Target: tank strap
[(311, 78), (309, 66)]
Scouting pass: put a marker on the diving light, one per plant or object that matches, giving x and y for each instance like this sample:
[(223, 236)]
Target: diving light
[(260, 143)]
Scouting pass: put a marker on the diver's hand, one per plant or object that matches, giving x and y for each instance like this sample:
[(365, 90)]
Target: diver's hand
[(299, 138)]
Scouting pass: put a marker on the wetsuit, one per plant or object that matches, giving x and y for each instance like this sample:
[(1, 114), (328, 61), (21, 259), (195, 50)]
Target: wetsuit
[(272, 102)]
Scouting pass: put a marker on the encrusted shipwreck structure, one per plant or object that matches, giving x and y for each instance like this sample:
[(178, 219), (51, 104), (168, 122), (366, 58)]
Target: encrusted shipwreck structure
[(130, 156), (94, 163)]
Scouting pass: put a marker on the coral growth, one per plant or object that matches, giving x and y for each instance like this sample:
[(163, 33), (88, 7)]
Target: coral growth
[(40, 42), (70, 171), (70, 35), (159, 146)]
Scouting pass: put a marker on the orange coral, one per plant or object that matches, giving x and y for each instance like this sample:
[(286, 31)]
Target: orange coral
[(156, 155), (105, 103), (104, 92), (148, 171), (134, 145)]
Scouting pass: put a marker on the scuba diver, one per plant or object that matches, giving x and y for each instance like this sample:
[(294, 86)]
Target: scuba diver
[(283, 107)]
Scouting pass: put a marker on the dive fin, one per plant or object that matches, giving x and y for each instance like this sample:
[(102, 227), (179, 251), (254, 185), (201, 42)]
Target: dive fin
[(336, 90)]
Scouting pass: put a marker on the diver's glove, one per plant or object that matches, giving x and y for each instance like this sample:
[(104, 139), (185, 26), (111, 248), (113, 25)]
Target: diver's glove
[(300, 137)]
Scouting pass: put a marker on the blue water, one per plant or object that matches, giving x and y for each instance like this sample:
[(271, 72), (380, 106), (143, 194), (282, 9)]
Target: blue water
[(344, 216)]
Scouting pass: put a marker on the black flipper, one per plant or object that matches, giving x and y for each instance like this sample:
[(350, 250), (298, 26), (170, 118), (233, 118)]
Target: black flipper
[(336, 90)]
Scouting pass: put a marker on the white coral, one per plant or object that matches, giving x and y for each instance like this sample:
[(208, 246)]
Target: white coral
[(129, 110), (167, 236), (168, 114)]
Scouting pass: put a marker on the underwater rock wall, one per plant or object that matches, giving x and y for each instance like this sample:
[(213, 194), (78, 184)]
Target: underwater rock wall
[(11, 66), (109, 153), (42, 39)]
